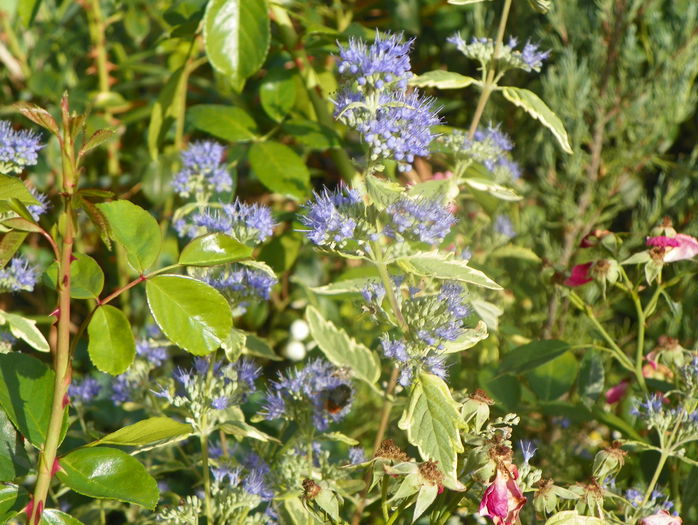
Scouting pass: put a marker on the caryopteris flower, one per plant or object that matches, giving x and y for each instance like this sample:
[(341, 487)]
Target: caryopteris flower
[(84, 391), (248, 223), (319, 391), (18, 276), (333, 217), (37, 210), (422, 220), (240, 284), (203, 172), (483, 49), (18, 149)]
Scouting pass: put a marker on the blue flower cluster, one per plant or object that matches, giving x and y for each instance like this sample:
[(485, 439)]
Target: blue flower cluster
[(396, 124), (425, 220), (318, 386), (240, 284), (6, 339), (650, 408), (384, 62), (530, 58), (503, 226), (203, 172), (257, 480), (332, 216), (248, 223), (18, 276), (84, 391), (434, 320), (18, 149), (491, 147), (37, 210)]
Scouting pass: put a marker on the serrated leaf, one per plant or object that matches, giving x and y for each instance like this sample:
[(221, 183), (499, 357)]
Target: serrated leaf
[(145, 432), (22, 224), (37, 114), (192, 314), (213, 249), (225, 122), (258, 347), (26, 393), (234, 344), (12, 188), (383, 192), (111, 345), (534, 106), (494, 189), (26, 330), (469, 338), (97, 218), (344, 287), (341, 349), (108, 473), (136, 230), (14, 461), (442, 80), (13, 499), (236, 37), (531, 355), (441, 266), (98, 138), (425, 497), (432, 421), (9, 244), (280, 169)]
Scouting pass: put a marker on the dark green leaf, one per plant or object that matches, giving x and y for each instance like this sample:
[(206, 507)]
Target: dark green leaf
[(13, 458), (504, 389), (236, 37), (591, 376), (554, 378), (281, 252), (13, 499), (280, 169), (111, 345), (191, 314), (86, 277), (26, 392), (135, 229), (146, 432), (277, 93), (103, 472), (164, 112), (56, 517), (312, 134), (529, 356), (225, 122), (212, 249), (9, 244)]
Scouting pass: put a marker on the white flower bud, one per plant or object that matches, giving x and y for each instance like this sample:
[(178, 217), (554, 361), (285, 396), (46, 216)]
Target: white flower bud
[(299, 330), (294, 350)]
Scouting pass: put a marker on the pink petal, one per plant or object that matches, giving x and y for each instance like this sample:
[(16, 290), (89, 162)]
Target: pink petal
[(579, 275), (687, 249), (616, 393)]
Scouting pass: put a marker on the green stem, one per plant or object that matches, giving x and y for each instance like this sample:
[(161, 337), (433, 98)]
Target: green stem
[(640, 347), (293, 45), (203, 437), (397, 513), (61, 354), (657, 471), (490, 82), (384, 497)]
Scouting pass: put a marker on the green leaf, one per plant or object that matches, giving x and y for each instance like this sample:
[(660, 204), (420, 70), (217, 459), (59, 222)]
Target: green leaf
[(346, 286), (341, 349), (492, 188), (26, 393), (27, 10), (442, 80), (164, 111), (9, 244), (554, 378), (328, 501), (505, 389), (469, 338), (572, 517), (258, 347), (190, 313), (22, 224), (12, 188), (280, 169), (440, 266), (225, 122), (26, 330), (445, 190), (98, 138), (311, 134), (383, 192), (432, 421), (590, 380), (236, 37), (298, 514), (516, 252), (426, 496), (277, 93), (234, 344), (340, 438), (86, 277), (111, 345), (534, 106), (135, 229), (108, 473), (56, 517), (14, 461), (212, 249), (146, 432), (531, 355), (37, 114), (13, 499), (281, 252)]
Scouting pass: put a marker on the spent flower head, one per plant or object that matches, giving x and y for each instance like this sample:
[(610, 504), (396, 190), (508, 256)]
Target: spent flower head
[(18, 149)]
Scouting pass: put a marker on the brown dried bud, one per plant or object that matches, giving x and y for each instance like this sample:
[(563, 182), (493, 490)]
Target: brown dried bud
[(310, 489), (389, 450), (430, 472), (481, 396), (501, 454)]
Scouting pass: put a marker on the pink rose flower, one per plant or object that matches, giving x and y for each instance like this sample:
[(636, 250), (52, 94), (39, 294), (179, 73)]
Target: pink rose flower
[(661, 518), (503, 499), (687, 248), (580, 275)]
